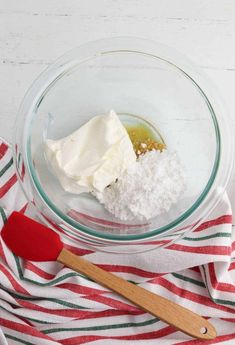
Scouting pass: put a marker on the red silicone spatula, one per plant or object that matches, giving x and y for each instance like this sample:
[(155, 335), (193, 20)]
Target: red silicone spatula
[(33, 241)]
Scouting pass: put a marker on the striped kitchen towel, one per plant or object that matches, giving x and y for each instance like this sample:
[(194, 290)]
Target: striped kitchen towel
[(46, 303)]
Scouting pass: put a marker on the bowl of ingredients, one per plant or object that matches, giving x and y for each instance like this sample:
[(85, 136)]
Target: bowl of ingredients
[(123, 145)]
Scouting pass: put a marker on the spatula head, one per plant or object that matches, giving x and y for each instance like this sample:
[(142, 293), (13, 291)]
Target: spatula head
[(30, 239)]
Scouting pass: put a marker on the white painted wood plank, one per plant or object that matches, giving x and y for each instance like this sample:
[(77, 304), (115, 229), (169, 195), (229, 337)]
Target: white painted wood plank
[(36, 34), (202, 9), (36, 43)]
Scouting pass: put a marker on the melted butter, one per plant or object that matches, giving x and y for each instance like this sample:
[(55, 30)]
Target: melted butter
[(143, 139)]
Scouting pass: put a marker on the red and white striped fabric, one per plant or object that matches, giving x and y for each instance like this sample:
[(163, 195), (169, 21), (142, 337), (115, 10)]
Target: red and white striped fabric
[(45, 303)]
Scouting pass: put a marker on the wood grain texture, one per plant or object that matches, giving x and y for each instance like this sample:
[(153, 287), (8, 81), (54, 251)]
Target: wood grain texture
[(170, 312), (34, 33)]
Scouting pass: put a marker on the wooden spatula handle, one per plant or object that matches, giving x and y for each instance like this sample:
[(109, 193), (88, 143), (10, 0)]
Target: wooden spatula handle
[(170, 312)]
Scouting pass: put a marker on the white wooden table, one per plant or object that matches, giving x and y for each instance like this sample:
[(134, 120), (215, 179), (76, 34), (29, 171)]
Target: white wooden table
[(33, 33)]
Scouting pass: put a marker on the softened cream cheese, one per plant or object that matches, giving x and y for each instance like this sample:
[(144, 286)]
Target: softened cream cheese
[(92, 157)]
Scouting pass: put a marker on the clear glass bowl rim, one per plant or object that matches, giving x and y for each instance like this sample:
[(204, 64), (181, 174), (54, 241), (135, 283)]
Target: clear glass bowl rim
[(50, 74)]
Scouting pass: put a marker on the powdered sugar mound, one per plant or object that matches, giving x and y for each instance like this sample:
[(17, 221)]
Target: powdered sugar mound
[(148, 188)]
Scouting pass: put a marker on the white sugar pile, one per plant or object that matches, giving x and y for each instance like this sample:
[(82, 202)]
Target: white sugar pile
[(148, 188)]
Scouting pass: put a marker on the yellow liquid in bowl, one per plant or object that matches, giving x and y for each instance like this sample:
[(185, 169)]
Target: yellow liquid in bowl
[(143, 138)]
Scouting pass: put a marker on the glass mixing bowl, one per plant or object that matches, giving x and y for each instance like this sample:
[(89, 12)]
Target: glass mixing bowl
[(142, 81)]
